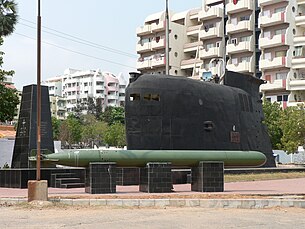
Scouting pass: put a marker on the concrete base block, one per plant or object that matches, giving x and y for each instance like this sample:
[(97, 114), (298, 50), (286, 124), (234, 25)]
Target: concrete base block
[(156, 177), (101, 178), (208, 177), (37, 190)]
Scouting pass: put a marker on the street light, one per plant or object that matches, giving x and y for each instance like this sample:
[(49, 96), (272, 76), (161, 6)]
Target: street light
[(166, 38), (38, 92)]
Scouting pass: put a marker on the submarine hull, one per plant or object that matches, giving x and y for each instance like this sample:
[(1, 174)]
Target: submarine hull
[(176, 113)]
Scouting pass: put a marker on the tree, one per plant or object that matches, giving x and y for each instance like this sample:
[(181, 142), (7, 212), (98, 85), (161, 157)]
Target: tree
[(93, 130), (70, 130), (293, 128), (113, 115), (56, 128), (273, 113), (115, 135), (8, 97), (8, 17)]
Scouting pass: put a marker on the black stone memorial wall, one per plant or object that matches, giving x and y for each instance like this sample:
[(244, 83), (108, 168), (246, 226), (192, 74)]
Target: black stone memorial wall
[(27, 126)]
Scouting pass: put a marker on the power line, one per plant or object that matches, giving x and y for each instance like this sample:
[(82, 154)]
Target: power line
[(80, 40), (76, 52)]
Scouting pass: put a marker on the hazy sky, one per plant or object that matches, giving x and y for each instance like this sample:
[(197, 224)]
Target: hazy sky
[(106, 24)]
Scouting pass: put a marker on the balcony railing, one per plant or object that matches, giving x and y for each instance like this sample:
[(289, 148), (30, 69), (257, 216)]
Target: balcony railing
[(241, 66), (241, 26), (211, 13), (275, 41), (208, 33), (143, 47), (276, 62), (274, 19), (242, 46), (210, 53), (240, 6), (143, 30), (269, 2)]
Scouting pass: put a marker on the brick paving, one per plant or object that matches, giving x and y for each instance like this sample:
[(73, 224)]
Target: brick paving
[(271, 187)]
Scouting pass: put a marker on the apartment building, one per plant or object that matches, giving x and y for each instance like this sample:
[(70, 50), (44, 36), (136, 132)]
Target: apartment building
[(75, 87), (264, 38)]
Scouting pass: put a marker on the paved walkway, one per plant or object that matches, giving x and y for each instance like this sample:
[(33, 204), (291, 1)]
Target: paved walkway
[(271, 187)]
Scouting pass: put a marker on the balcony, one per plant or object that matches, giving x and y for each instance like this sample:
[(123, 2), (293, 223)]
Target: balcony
[(275, 41), (275, 85), (211, 13), (297, 85), (211, 2), (141, 48), (269, 2), (298, 62), (243, 46), (274, 19), (143, 30), (158, 27), (208, 33), (160, 44), (193, 30), (112, 97), (191, 47), (158, 61), (211, 53), (143, 64), (240, 6), (300, 20), (277, 62), (242, 26), (186, 64), (299, 41), (241, 66)]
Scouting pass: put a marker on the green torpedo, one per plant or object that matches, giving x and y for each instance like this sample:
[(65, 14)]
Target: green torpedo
[(139, 158)]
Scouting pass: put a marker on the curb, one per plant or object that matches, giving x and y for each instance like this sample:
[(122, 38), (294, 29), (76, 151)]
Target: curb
[(200, 203)]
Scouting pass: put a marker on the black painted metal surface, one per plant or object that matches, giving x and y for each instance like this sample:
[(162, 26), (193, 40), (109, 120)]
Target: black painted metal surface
[(170, 112)]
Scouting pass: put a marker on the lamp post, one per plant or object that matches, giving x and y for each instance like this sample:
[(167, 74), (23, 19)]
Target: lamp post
[(167, 38), (38, 92)]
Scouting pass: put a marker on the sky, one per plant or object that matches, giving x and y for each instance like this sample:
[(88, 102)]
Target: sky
[(91, 34)]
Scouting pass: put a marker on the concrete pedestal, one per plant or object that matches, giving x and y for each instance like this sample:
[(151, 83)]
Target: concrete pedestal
[(156, 178), (37, 190), (101, 178), (208, 177)]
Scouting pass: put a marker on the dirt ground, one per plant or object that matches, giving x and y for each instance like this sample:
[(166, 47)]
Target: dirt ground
[(105, 217)]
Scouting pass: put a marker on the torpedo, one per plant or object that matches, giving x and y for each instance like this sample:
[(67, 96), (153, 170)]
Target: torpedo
[(139, 158)]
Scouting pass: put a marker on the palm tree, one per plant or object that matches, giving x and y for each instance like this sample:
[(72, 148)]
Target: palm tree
[(8, 17)]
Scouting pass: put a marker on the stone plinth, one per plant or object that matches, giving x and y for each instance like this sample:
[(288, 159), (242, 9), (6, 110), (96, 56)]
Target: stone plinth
[(37, 190), (156, 178), (101, 178), (208, 177)]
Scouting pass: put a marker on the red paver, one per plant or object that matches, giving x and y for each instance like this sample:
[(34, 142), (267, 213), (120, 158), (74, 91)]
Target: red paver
[(271, 187)]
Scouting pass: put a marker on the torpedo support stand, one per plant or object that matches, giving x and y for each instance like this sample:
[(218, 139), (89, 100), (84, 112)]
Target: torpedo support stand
[(156, 177), (208, 176), (101, 178)]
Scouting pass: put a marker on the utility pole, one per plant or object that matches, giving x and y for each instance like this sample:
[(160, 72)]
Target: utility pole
[(38, 93), (167, 39)]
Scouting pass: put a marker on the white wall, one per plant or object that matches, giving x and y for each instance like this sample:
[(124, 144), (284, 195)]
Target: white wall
[(6, 151)]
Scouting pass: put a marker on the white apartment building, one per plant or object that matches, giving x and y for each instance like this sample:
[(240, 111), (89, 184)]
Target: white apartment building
[(75, 87), (264, 38)]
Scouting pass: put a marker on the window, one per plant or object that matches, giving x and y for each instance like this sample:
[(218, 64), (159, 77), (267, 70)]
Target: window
[(152, 97), (234, 61), (134, 97), (267, 56), (245, 59), (245, 18), (281, 75), (299, 51), (211, 45), (234, 41), (267, 34), (244, 39), (280, 53), (85, 84), (280, 31), (281, 98), (280, 9)]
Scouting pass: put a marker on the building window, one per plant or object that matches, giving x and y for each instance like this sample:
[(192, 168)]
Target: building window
[(281, 75), (280, 9)]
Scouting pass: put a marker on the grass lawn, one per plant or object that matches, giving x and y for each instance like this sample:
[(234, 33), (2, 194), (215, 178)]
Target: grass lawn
[(262, 176)]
